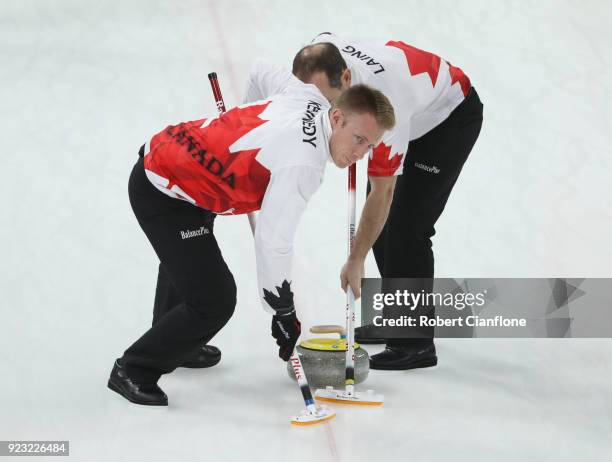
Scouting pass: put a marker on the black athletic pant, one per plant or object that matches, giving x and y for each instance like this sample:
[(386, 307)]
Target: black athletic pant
[(196, 292), (431, 168)]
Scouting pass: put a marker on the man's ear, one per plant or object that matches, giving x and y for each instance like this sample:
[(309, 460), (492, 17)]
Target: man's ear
[(345, 79), (336, 117)]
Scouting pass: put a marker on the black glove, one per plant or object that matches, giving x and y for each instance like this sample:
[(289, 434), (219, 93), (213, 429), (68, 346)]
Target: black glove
[(286, 330), (286, 327)]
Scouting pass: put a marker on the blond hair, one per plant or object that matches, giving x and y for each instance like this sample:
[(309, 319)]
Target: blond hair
[(364, 99)]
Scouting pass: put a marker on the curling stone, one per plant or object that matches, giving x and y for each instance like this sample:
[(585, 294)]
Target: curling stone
[(323, 359)]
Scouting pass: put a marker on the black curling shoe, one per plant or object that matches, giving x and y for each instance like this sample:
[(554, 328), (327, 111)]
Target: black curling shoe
[(396, 358), (148, 394), (206, 356)]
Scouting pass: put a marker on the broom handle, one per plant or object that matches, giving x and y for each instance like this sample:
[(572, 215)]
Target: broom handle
[(296, 364)]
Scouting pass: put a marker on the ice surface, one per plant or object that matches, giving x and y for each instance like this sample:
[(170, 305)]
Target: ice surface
[(82, 86)]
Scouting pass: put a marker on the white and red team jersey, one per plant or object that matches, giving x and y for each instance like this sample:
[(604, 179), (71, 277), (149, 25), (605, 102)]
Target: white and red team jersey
[(267, 79), (269, 156), (423, 89)]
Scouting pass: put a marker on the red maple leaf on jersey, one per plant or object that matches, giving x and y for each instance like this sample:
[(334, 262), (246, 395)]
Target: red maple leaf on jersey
[(249, 178), (419, 61), (380, 164), (198, 160), (233, 125), (457, 75)]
